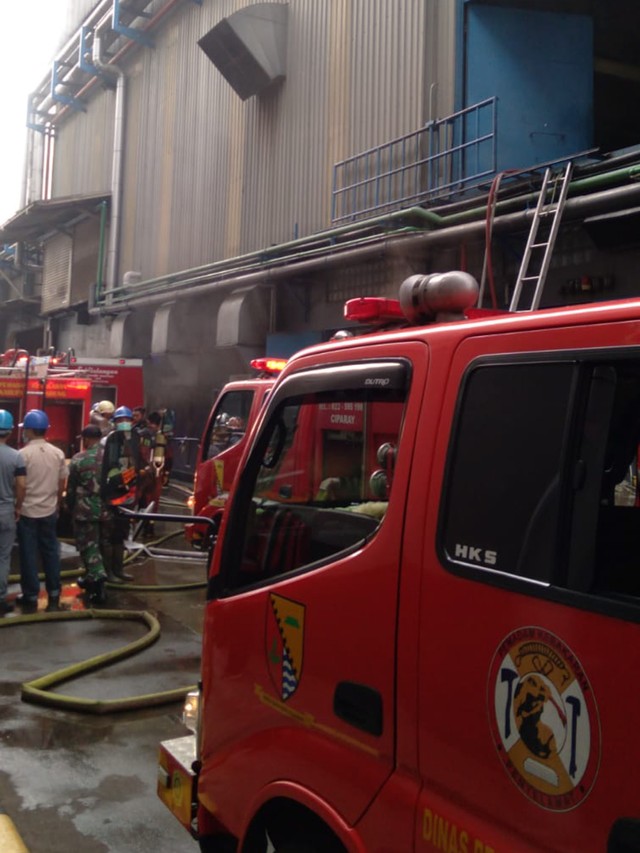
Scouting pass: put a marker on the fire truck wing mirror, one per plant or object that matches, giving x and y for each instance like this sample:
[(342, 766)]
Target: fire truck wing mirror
[(379, 483)]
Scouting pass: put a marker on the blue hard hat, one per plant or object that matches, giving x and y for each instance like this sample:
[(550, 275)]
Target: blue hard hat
[(6, 421), (35, 419), (122, 412)]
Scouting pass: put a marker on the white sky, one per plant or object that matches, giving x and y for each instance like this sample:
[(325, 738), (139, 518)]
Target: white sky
[(30, 34)]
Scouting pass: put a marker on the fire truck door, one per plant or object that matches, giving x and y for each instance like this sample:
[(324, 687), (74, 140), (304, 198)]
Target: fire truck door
[(530, 596), (307, 584)]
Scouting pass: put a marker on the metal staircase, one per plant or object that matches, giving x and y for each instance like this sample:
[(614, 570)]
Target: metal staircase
[(541, 241)]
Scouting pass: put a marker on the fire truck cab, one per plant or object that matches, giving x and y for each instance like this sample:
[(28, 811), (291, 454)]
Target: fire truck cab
[(423, 611), (224, 440)]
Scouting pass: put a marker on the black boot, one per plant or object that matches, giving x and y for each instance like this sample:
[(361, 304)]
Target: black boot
[(115, 578), (117, 563), (27, 605), (96, 592), (121, 577), (53, 605)]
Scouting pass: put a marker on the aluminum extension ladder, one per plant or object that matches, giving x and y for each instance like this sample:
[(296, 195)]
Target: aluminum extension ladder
[(541, 241)]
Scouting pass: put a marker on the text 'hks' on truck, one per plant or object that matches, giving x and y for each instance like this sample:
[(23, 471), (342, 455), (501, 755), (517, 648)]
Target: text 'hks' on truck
[(423, 608)]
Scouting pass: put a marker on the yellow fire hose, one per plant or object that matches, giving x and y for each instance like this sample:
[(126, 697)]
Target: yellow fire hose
[(39, 692)]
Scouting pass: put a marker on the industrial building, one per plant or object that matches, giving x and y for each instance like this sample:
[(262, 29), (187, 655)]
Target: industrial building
[(208, 180)]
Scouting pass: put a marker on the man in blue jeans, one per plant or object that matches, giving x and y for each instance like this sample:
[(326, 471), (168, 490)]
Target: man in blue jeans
[(46, 478)]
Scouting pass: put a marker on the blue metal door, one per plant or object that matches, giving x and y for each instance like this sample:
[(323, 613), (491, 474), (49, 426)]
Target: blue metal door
[(540, 66)]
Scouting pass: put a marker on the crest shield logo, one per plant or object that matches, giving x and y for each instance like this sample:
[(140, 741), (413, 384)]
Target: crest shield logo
[(285, 644), (544, 718)]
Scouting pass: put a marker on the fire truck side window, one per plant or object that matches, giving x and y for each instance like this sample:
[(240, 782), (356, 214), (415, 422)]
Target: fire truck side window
[(229, 422), (542, 479), (501, 507), (318, 484)]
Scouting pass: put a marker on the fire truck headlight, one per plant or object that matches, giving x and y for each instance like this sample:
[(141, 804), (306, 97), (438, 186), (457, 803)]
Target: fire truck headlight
[(191, 502), (190, 711)]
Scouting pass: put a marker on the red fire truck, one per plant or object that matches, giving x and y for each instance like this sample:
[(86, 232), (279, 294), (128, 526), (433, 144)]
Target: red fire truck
[(66, 387), (223, 442), (423, 610), (32, 383), (119, 380)]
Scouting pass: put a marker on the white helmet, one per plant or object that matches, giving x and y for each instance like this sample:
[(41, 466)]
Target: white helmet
[(105, 407)]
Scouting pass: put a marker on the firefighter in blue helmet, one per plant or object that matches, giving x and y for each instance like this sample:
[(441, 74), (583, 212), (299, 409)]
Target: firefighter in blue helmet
[(120, 465)]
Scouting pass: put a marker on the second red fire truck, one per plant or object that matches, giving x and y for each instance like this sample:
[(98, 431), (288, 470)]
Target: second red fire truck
[(224, 440)]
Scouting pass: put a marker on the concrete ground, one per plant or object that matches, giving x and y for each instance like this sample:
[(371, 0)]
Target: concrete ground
[(79, 782)]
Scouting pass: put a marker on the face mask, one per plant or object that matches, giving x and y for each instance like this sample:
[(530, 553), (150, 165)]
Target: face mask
[(123, 426)]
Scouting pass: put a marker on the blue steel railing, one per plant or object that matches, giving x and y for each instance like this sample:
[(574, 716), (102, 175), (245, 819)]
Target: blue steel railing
[(442, 158)]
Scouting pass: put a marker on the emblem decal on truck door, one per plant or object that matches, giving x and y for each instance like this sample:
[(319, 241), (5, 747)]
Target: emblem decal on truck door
[(285, 644), (544, 718)]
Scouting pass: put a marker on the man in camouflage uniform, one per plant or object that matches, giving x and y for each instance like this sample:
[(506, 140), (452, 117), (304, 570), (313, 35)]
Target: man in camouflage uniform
[(87, 510)]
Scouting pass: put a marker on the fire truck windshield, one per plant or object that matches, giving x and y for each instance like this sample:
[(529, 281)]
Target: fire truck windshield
[(321, 480)]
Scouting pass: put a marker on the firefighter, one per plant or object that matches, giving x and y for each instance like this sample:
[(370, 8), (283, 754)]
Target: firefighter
[(101, 414), (86, 508), (152, 452), (120, 465)]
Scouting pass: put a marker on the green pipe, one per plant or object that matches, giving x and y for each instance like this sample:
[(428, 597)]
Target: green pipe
[(99, 271), (426, 217), (143, 290), (596, 182)]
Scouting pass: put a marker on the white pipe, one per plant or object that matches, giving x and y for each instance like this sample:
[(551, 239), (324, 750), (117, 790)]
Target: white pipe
[(26, 173), (117, 166), (36, 169)]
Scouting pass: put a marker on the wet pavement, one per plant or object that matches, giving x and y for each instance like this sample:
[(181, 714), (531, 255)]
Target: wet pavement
[(73, 781)]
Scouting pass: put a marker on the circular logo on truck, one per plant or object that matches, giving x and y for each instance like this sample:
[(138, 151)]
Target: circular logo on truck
[(544, 718)]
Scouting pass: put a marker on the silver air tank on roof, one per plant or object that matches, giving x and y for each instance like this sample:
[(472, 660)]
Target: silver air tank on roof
[(438, 296)]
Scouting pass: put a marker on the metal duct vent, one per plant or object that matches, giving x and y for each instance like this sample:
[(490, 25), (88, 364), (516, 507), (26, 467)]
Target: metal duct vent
[(56, 273), (249, 48)]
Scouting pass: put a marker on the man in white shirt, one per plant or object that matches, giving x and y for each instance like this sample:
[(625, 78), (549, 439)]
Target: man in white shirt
[(46, 478)]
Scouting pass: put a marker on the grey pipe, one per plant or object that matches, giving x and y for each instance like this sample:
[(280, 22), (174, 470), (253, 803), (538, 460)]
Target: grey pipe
[(117, 167), (575, 208)]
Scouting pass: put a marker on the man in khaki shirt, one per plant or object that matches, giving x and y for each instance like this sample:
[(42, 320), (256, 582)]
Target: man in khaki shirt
[(46, 478)]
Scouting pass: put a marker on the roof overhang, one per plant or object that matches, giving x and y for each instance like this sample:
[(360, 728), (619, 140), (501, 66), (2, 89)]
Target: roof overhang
[(33, 223)]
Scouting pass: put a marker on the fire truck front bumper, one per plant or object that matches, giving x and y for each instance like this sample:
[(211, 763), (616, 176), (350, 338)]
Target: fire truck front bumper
[(177, 779)]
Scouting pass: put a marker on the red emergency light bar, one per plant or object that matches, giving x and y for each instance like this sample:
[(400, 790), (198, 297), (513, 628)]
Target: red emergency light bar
[(268, 365), (373, 309)]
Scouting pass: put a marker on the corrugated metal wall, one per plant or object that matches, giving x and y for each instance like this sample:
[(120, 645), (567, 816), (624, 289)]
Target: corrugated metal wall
[(210, 176)]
